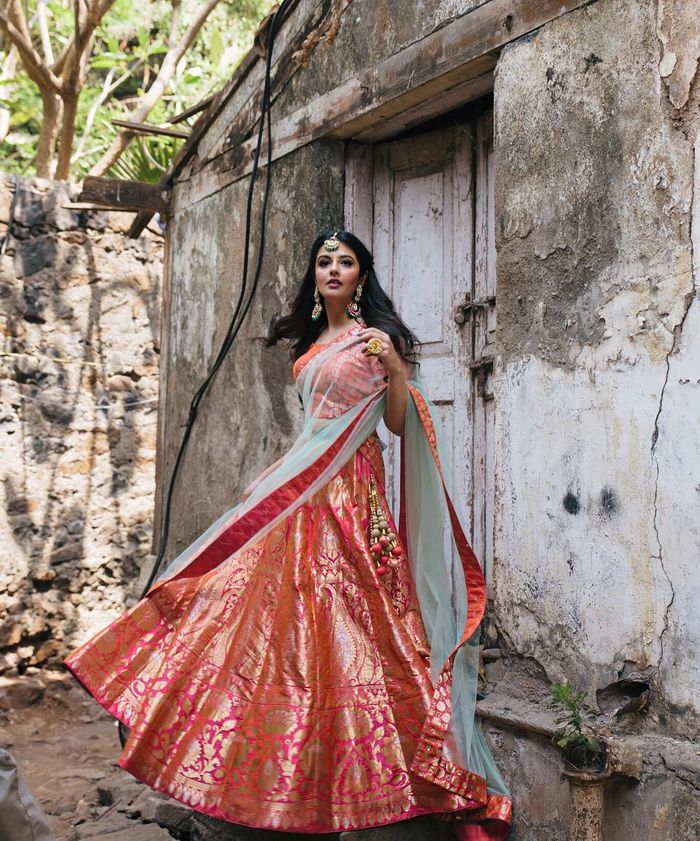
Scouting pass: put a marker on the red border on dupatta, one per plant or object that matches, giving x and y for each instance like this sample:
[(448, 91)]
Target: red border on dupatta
[(243, 528)]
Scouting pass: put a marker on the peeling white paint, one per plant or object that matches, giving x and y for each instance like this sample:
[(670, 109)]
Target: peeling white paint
[(598, 519)]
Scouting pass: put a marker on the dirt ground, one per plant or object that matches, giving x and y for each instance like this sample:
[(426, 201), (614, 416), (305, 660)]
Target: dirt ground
[(67, 746)]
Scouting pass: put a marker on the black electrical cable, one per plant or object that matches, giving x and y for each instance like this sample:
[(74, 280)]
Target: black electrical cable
[(241, 310)]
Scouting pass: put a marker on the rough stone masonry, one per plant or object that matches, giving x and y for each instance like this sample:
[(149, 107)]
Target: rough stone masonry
[(79, 318)]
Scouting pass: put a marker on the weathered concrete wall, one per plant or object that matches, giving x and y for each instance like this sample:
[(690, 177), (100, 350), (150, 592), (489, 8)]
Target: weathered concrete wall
[(655, 798), (370, 30), (598, 383), (251, 414), (79, 388), (595, 286)]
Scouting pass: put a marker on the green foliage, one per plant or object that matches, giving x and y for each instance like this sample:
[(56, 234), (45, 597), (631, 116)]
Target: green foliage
[(128, 48), (574, 734), (145, 159)]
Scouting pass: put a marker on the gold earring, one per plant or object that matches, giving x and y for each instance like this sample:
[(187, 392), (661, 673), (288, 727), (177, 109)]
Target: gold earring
[(353, 308), (318, 309)]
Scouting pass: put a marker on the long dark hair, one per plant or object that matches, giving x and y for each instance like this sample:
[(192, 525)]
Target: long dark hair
[(376, 307)]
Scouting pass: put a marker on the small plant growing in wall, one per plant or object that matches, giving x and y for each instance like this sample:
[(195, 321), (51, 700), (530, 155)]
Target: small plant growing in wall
[(575, 734)]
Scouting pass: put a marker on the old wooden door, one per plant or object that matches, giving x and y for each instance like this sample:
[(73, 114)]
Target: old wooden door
[(430, 202)]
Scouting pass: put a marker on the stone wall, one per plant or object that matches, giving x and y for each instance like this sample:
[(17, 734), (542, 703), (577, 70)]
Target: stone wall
[(79, 320)]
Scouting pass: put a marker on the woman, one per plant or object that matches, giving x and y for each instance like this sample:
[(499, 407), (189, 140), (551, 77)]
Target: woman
[(305, 665)]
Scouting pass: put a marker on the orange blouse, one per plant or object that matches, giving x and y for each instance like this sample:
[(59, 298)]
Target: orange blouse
[(316, 347)]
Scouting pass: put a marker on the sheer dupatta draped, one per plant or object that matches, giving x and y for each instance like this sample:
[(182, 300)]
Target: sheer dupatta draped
[(343, 392)]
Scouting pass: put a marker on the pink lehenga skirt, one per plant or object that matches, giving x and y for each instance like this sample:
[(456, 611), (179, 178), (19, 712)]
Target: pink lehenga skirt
[(287, 687)]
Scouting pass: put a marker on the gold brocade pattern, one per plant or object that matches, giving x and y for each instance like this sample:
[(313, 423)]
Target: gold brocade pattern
[(287, 687)]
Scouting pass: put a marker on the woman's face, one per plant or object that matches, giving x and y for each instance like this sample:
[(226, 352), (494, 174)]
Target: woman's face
[(337, 273)]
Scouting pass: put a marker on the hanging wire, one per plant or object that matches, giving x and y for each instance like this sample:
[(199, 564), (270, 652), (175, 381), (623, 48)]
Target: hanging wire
[(242, 305)]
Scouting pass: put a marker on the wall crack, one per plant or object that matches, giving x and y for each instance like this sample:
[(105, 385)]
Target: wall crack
[(688, 299)]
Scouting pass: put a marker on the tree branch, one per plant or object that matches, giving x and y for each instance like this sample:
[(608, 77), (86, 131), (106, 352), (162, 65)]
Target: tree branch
[(8, 71), (176, 49), (73, 79), (37, 71), (44, 32), (52, 106), (96, 11)]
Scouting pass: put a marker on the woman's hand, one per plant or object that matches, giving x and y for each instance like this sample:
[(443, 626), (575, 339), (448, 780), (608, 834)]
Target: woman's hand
[(389, 358), (398, 370)]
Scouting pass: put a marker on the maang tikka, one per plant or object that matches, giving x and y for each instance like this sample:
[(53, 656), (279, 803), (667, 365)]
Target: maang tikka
[(332, 243)]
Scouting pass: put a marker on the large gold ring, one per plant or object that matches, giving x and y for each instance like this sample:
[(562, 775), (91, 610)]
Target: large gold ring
[(375, 347)]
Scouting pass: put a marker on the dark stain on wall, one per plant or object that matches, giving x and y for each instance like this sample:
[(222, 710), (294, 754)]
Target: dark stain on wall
[(571, 503), (609, 503)]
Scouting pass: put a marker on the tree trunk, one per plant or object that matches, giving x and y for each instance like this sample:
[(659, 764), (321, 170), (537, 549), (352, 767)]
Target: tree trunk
[(46, 147), (65, 147)]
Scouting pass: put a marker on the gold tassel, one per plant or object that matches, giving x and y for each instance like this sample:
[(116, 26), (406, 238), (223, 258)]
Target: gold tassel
[(383, 542)]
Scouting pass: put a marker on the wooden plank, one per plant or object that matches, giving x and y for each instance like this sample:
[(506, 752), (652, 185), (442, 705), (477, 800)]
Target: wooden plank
[(422, 246), (192, 110), (164, 374), (87, 205), (139, 224), (458, 53), (482, 323), (433, 107), (120, 195), (145, 128)]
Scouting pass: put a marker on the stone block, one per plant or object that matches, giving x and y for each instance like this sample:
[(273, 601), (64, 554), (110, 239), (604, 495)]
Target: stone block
[(34, 254), (494, 671), (166, 812), (6, 195), (10, 634), (46, 651), (120, 789), (58, 216), (16, 693), (69, 552), (8, 662), (29, 208), (119, 828)]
